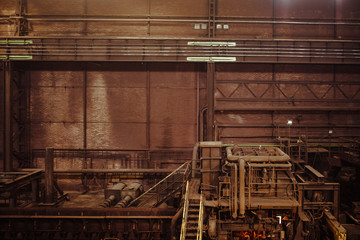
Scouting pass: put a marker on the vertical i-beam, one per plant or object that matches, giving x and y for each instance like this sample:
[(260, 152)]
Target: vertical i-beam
[(49, 175), (7, 118), (210, 101)]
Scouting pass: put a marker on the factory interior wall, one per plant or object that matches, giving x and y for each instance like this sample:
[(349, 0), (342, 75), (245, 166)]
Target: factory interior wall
[(186, 18), (158, 106)]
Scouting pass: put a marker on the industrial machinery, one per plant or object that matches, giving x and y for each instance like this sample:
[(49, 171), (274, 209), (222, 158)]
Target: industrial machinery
[(129, 193), (252, 193), (229, 192), (112, 195), (120, 195)]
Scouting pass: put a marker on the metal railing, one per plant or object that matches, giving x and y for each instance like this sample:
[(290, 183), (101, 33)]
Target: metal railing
[(274, 186), (185, 213), (164, 188), (111, 158), (200, 223)]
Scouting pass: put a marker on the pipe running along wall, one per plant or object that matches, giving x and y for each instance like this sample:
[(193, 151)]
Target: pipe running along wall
[(234, 181), (242, 187)]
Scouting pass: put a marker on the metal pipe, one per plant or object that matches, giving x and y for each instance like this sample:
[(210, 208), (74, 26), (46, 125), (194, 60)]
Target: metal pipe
[(242, 187), (203, 112), (278, 165), (124, 202), (49, 175), (282, 157), (107, 202), (194, 159), (235, 201)]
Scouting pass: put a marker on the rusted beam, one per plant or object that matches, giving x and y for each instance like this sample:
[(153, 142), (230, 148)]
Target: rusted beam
[(79, 212), (210, 101), (81, 217), (49, 175), (124, 170), (7, 118), (291, 108)]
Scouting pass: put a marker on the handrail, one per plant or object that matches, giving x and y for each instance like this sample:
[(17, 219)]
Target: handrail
[(185, 213), (156, 185), (200, 223)]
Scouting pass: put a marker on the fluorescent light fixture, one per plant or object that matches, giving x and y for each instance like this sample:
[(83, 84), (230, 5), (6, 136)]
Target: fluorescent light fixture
[(15, 57), (212, 44), (15, 42), (211, 59), (289, 122)]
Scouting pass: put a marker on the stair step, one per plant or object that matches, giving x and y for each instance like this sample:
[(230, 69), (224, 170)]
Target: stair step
[(192, 222), (194, 205), (193, 210), (192, 228), (191, 234), (193, 214)]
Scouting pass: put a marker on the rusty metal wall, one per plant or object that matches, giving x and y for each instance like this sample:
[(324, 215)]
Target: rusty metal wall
[(56, 108), (8, 8), (156, 105), (137, 106), (245, 19), (253, 102), (116, 106)]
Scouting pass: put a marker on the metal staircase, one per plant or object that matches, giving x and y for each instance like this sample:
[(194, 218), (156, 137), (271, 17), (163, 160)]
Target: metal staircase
[(192, 223), (164, 189)]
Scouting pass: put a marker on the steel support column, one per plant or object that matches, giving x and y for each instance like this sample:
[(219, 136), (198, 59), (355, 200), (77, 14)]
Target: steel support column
[(35, 190), (212, 14), (210, 101), (7, 118), (49, 175), (85, 119)]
